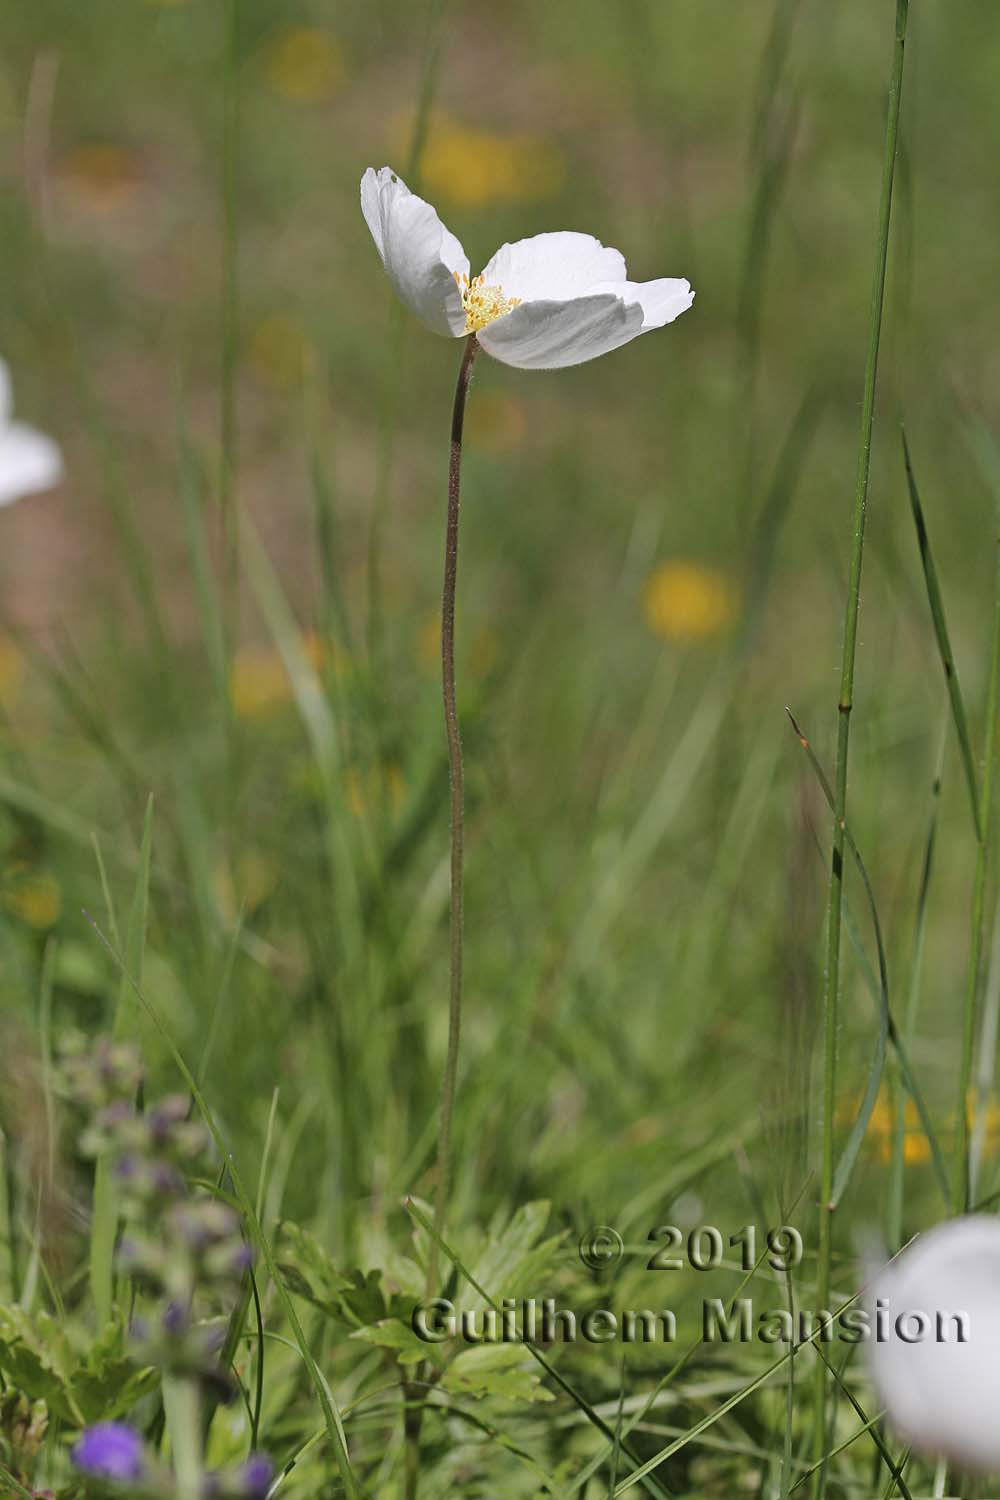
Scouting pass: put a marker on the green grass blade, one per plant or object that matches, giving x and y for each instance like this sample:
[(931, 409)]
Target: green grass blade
[(936, 602), (109, 905), (10, 1486), (849, 1155), (230, 313), (393, 351), (886, 1019), (337, 621), (727, 1406), (683, 1360), (210, 611), (845, 707), (222, 992), (306, 686), (895, 1470), (104, 1216), (135, 932), (896, 1172)]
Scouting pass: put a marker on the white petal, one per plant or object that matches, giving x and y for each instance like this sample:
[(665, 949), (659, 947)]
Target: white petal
[(549, 335), (6, 395), (943, 1396), (29, 462), (553, 266), (661, 301), (418, 252)]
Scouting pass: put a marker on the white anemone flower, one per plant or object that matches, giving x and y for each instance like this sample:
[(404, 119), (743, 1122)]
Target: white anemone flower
[(539, 304), (937, 1365), (29, 461)]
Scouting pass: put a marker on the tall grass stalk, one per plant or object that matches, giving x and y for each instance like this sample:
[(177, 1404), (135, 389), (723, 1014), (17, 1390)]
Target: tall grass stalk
[(394, 347), (832, 987), (230, 311), (986, 1065), (960, 1201)]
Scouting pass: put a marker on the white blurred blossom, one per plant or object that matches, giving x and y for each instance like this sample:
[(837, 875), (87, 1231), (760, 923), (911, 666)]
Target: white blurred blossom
[(936, 1364), (29, 461)]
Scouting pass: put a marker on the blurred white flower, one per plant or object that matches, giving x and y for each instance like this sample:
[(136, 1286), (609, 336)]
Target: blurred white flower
[(541, 303), (937, 1368), (29, 461)]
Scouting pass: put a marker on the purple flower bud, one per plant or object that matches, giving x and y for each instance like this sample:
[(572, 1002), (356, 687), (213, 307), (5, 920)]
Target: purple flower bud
[(242, 1258), (118, 1113), (255, 1477), (166, 1179), (169, 1112), (110, 1450), (175, 1319), (214, 1338)]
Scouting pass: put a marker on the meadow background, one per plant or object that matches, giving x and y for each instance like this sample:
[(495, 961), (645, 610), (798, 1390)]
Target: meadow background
[(654, 562)]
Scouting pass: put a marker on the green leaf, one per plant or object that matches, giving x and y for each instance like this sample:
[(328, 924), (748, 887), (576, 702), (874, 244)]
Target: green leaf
[(354, 1298), (107, 1383), (393, 1334), (309, 1270), (35, 1356), (514, 1257), (536, 1354), (503, 1371)]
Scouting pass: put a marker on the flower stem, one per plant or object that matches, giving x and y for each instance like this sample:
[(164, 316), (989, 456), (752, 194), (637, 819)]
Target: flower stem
[(457, 784), (413, 1405), (960, 1197), (182, 1408), (832, 986)]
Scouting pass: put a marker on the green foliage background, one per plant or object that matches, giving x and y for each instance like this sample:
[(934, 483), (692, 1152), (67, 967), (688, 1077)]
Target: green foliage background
[(646, 876)]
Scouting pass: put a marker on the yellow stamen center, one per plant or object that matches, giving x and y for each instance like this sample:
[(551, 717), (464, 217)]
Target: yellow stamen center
[(482, 303)]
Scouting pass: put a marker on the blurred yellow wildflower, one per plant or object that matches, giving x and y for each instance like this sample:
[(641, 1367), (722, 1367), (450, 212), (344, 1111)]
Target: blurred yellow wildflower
[(363, 788), (916, 1147), (258, 681), (684, 601), (496, 422), (35, 897), (11, 673), (101, 175), (471, 167), (278, 351), (247, 886), (306, 64)]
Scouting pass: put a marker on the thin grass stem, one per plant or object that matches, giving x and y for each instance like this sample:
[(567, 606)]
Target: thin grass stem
[(834, 925), (394, 348), (230, 311), (960, 1201)]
